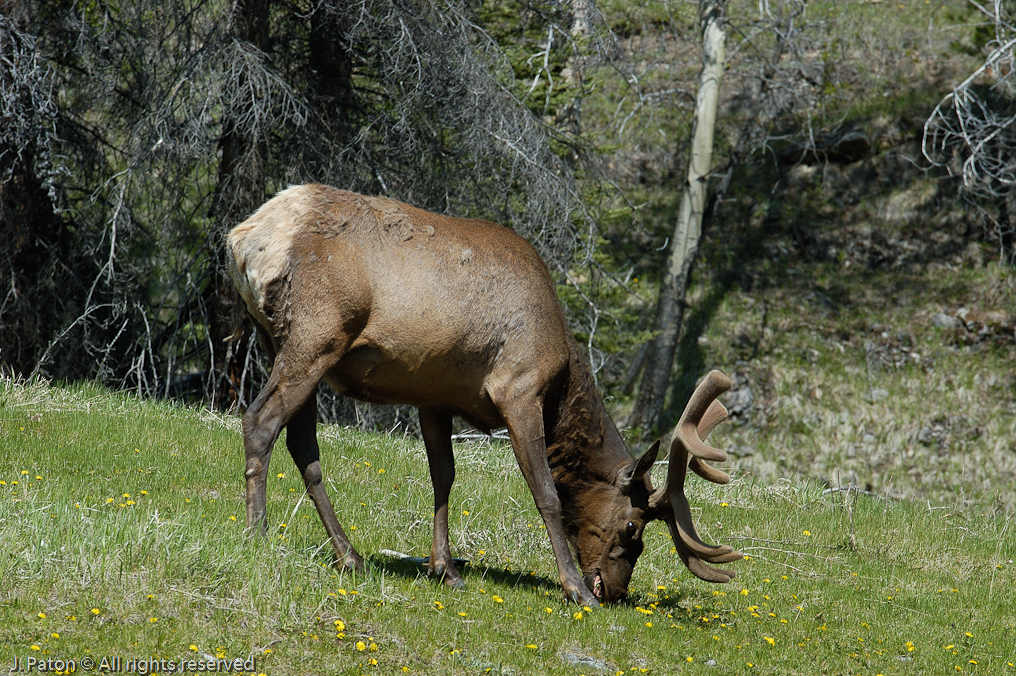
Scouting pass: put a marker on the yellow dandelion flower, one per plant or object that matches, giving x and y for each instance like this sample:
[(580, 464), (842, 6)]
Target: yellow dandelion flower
[(95, 611), (55, 635), (373, 661), (361, 646), (42, 616), (193, 647), (340, 625), (548, 610), (770, 640), (578, 615), (35, 647), (232, 517), (531, 646), (280, 475), (689, 658), (463, 614), (153, 620), (807, 533), (24, 472), (498, 599)]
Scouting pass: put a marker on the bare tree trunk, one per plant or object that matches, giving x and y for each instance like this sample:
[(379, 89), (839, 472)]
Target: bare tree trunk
[(33, 257), (241, 188), (582, 18), (684, 242)]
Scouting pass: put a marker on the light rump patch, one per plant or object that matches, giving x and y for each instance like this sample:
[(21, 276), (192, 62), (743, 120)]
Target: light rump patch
[(260, 247)]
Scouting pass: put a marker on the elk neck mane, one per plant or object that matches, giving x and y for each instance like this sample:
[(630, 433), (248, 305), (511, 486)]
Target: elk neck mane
[(584, 448)]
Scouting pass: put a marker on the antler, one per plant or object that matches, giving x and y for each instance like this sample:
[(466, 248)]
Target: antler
[(687, 450)]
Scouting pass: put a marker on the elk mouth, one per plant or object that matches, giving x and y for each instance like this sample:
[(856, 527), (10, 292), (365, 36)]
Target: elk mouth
[(595, 584)]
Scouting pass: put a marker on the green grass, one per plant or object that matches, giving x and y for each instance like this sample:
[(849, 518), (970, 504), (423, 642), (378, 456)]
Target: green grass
[(836, 583)]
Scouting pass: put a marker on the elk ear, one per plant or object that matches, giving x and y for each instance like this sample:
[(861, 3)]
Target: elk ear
[(635, 471)]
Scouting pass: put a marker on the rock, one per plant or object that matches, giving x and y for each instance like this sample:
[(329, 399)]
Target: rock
[(710, 663), (739, 399), (944, 321), (926, 436), (875, 395), (581, 660), (739, 451)]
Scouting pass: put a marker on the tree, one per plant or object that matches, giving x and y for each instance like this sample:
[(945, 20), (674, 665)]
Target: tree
[(688, 228), (783, 64), (34, 240), (175, 119), (972, 131)]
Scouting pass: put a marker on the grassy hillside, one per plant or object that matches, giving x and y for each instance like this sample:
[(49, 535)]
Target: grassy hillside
[(864, 309), (122, 529)]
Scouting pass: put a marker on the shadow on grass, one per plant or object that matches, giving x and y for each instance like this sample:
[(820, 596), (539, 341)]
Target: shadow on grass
[(415, 567), (412, 568)]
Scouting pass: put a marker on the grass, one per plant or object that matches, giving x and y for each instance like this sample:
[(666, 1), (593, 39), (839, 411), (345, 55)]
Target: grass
[(122, 524)]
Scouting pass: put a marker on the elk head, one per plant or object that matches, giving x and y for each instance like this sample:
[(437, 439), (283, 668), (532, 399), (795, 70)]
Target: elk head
[(607, 556)]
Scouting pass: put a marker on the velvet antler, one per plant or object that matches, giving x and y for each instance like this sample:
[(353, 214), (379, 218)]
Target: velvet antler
[(688, 450)]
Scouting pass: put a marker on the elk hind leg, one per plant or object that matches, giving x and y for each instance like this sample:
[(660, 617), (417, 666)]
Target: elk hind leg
[(436, 427), (261, 426), (301, 440)]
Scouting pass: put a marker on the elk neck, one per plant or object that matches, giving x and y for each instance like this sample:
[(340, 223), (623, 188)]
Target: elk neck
[(584, 448)]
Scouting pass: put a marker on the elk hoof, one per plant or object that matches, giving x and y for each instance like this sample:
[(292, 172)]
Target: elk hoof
[(353, 561), (454, 582), (447, 574), (581, 596)]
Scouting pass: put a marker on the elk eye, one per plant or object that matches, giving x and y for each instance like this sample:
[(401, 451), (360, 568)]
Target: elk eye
[(630, 529)]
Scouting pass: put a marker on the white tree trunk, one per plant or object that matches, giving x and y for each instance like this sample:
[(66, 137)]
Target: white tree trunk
[(684, 242), (688, 229)]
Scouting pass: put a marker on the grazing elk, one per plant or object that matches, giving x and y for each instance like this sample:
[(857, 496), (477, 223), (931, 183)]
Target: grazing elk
[(391, 304)]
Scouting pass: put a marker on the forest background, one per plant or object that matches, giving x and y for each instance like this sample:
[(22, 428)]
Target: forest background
[(855, 271)]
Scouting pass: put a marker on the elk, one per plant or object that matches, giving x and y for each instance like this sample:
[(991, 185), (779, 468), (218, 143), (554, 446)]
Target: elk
[(388, 303)]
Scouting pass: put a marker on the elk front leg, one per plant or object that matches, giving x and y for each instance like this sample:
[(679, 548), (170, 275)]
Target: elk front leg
[(436, 427), (528, 442), (301, 440)]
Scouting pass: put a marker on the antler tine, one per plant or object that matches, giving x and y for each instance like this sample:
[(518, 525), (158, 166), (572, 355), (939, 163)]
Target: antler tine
[(714, 415), (701, 415), (712, 386)]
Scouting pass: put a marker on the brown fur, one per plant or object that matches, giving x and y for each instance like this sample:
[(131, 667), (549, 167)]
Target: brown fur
[(389, 303)]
